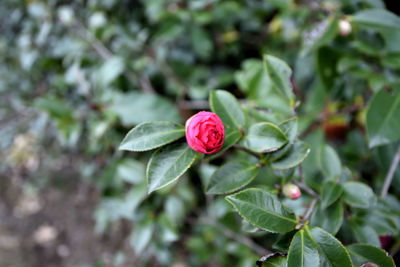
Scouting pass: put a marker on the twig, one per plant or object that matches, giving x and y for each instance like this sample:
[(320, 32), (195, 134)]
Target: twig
[(306, 188), (301, 174), (390, 174), (308, 213), (237, 237), (248, 151)]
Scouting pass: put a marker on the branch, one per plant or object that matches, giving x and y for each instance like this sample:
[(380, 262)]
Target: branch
[(235, 236), (248, 151), (390, 174), (310, 208)]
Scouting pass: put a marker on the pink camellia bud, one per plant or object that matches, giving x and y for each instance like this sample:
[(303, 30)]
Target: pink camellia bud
[(205, 132), (344, 27), (291, 191)]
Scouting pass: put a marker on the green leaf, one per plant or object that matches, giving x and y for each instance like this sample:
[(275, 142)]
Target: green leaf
[(289, 128), (110, 70), (302, 251), (297, 153), (141, 236), (383, 124), (135, 107), (371, 254), (231, 177), (272, 260), (264, 137), (358, 195), (167, 164), (327, 59), (330, 219), (280, 74), (321, 34), (150, 135), (329, 163), (377, 18), (334, 253), (331, 191), (263, 210), (364, 233), (226, 106), (230, 139)]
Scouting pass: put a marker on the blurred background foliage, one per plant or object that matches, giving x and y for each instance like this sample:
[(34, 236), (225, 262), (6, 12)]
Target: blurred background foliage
[(75, 76)]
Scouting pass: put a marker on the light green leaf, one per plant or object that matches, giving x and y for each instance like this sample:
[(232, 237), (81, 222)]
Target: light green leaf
[(329, 163), (377, 19), (334, 253), (302, 251), (264, 137), (167, 164), (226, 106), (364, 233), (263, 210), (110, 70), (141, 236), (330, 219), (231, 177), (331, 191), (134, 108), (279, 73), (150, 135), (297, 153), (371, 254), (321, 34), (358, 195), (289, 128), (383, 124)]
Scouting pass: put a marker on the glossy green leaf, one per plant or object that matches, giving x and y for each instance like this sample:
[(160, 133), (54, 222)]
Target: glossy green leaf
[(263, 210), (364, 233), (231, 177), (279, 73), (150, 135), (302, 251), (377, 19), (334, 253), (358, 195), (226, 106), (231, 138), (297, 153), (383, 124), (331, 191), (329, 163), (264, 137), (330, 219), (321, 34), (289, 128), (273, 260), (167, 164), (368, 253)]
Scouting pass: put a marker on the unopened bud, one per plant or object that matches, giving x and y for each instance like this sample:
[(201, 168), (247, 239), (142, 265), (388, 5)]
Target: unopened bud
[(291, 191), (344, 27)]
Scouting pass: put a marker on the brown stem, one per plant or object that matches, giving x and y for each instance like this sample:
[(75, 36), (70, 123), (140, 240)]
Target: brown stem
[(248, 151), (390, 174)]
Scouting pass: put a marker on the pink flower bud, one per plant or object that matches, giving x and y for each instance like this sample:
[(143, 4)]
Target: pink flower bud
[(205, 132), (291, 191), (385, 240), (344, 27)]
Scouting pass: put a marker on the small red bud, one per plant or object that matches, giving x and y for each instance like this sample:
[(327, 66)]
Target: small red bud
[(291, 191)]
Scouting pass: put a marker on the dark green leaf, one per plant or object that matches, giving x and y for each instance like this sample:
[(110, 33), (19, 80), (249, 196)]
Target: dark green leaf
[(264, 137), (330, 219), (226, 106), (231, 177), (334, 253), (302, 251), (358, 195), (263, 210), (297, 153), (150, 135), (369, 253), (167, 164), (331, 191), (364, 233), (279, 73), (273, 260), (231, 138), (329, 163), (383, 124)]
